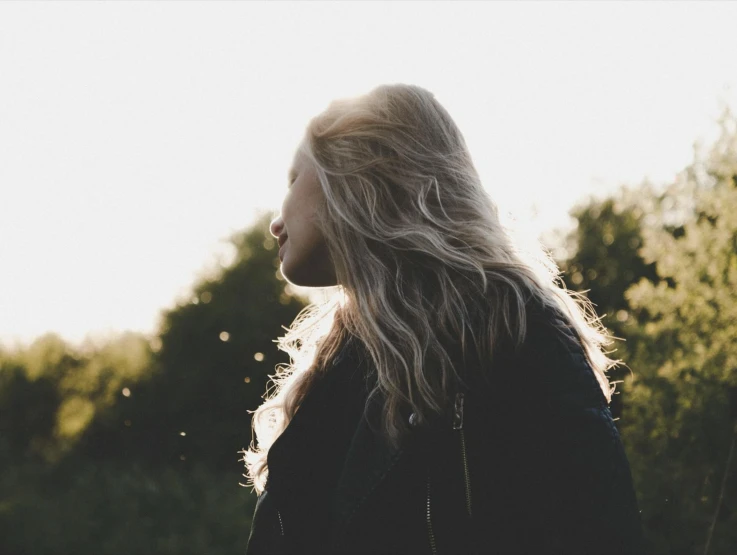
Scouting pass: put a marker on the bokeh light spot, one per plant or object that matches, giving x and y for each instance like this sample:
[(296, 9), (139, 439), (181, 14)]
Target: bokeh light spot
[(155, 344)]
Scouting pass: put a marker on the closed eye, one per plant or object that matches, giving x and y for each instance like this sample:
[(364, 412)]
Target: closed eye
[(291, 178)]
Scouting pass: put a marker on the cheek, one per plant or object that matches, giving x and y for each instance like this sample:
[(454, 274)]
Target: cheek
[(293, 210)]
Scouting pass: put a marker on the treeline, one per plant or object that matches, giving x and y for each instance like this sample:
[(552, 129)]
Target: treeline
[(661, 264), (131, 446)]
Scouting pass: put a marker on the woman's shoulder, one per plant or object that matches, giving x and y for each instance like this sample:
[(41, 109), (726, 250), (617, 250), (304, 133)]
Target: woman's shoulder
[(550, 367)]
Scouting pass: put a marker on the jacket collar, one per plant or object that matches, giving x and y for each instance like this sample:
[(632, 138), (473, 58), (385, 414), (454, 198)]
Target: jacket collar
[(368, 459), (370, 456)]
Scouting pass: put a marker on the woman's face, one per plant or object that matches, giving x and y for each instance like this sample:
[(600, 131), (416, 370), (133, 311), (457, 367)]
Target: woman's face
[(304, 256)]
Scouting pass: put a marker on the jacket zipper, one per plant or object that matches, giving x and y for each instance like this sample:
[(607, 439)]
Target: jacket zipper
[(457, 425), (281, 524), (431, 535)]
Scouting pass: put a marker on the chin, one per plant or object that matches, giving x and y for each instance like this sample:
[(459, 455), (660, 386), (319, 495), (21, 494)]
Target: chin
[(307, 274), (310, 280)]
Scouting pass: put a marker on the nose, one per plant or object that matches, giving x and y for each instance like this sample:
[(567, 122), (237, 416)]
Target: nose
[(276, 227)]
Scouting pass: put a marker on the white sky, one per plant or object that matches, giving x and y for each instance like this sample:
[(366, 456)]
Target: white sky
[(135, 137)]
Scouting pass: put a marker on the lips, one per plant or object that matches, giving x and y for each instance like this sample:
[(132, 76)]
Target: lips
[(282, 240)]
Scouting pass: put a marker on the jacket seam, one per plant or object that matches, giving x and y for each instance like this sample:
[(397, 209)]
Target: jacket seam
[(361, 501)]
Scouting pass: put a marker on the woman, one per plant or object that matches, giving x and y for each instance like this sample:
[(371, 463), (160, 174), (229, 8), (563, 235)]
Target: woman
[(452, 396)]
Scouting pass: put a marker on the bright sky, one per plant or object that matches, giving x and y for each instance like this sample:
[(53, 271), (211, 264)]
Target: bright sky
[(135, 137)]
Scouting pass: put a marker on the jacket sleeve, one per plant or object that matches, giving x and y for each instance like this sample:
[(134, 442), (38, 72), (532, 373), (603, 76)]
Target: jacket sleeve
[(589, 504), (559, 481)]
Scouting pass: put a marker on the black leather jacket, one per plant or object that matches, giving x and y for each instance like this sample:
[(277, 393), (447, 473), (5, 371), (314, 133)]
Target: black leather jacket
[(529, 462)]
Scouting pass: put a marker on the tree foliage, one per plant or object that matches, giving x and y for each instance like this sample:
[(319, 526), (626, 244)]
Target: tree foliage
[(662, 265), (133, 443), (683, 399)]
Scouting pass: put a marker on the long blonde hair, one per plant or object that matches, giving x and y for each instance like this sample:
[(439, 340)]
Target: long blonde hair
[(423, 264)]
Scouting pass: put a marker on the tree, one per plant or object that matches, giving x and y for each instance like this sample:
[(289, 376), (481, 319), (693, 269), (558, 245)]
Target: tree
[(681, 417), (606, 261), (210, 365)]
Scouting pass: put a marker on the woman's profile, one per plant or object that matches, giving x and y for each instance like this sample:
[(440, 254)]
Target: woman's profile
[(451, 397)]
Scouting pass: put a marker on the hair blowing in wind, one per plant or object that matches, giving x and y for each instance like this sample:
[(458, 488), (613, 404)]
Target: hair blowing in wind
[(424, 267)]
